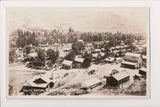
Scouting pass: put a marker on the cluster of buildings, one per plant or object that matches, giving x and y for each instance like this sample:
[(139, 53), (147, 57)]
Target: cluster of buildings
[(123, 55)]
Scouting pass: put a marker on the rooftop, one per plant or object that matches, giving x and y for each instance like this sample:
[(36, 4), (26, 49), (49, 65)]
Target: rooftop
[(120, 75), (132, 54), (77, 59), (67, 62)]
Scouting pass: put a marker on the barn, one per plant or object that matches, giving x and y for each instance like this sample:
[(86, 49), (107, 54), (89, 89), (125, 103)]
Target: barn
[(118, 78), (132, 60)]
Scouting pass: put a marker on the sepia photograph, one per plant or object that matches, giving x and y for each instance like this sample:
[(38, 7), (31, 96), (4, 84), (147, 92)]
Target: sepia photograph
[(78, 52)]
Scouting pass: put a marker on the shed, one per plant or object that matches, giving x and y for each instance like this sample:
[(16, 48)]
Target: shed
[(118, 78)]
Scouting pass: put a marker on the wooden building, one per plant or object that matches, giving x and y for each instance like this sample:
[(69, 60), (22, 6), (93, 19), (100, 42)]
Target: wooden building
[(132, 60), (66, 64), (118, 78), (38, 84), (78, 62)]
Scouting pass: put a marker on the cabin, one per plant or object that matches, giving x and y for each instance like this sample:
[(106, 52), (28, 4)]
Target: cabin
[(38, 84), (91, 83), (118, 78), (66, 64), (78, 62), (132, 60), (143, 71)]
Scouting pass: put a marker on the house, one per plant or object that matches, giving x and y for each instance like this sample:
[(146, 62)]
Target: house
[(78, 62), (109, 59), (38, 84), (132, 60), (118, 78), (91, 83), (143, 71), (66, 64)]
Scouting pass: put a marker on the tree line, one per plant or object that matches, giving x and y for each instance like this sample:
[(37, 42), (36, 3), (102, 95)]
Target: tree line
[(21, 38)]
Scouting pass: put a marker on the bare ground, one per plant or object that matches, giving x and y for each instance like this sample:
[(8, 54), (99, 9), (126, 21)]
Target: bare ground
[(69, 79)]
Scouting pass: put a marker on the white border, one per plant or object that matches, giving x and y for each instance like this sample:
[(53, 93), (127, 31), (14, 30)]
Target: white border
[(155, 25)]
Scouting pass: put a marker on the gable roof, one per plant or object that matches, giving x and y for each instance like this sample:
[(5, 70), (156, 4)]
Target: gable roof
[(39, 81), (67, 62), (120, 75), (77, 59), (133, 54), (133, 57)]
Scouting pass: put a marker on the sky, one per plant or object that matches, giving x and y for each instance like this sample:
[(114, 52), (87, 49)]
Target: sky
[(91, 19)]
